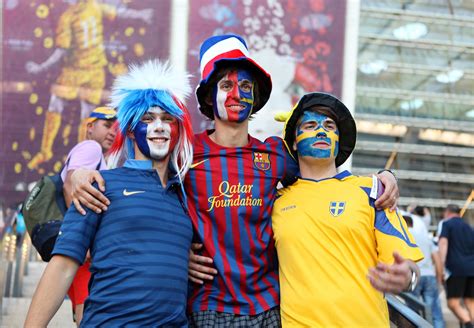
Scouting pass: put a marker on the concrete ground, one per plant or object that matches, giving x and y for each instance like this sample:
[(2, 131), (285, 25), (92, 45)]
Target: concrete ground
[(15, 309)]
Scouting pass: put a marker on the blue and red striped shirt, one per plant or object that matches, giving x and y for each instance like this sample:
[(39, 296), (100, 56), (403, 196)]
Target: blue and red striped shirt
[(231, 192)]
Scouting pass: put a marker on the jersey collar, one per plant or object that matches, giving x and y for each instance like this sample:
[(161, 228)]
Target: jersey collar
[(146, 164), (138, 164), (339, 176)]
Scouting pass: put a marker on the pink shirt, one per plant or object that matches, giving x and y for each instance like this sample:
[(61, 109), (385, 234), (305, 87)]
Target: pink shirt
[(85, 154)]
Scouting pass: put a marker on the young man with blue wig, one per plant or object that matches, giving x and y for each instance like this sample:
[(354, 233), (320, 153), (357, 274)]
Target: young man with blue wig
[(140, 246)]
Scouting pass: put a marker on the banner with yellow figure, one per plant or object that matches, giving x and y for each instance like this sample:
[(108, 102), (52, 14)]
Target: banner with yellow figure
[(59, 60)]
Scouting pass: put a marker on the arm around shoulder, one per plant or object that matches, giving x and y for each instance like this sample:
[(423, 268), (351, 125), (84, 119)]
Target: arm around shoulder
[(83, 192)]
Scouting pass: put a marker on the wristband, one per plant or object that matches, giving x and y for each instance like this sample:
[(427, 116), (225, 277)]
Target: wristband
[(413, 281)]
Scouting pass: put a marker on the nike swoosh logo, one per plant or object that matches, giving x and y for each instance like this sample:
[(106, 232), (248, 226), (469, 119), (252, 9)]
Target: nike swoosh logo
[(129, 193), (198, 163)]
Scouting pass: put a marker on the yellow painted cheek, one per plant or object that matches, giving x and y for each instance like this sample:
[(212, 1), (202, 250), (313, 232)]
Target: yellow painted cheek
[(334, 139)]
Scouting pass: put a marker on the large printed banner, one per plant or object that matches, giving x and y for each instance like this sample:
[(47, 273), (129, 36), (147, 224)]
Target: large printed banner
[(301, 43), (59, 59)]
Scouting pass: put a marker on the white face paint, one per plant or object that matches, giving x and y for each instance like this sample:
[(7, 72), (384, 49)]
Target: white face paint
[(161, 132)]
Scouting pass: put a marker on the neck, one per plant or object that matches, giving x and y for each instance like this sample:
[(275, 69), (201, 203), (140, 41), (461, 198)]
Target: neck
[(230, 134), (161, 166), (317, 169), (452, 215)]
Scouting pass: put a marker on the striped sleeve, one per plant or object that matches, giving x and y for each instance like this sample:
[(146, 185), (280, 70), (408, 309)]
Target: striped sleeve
[(76, 234)]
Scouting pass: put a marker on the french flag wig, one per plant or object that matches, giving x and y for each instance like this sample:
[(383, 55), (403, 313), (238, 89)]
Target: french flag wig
[(151, 84)]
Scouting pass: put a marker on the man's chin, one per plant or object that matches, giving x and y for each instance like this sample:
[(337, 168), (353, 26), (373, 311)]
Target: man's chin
[(159, 156), (318, 158)]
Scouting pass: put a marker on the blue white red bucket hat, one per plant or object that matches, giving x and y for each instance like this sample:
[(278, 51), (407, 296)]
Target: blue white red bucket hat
[(222, 51)]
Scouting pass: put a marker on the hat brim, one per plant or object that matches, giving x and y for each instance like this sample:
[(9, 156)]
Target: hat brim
[(262, 78), (345, 123)]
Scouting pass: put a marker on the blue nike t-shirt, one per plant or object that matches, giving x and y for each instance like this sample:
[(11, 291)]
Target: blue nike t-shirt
[(139, 249)]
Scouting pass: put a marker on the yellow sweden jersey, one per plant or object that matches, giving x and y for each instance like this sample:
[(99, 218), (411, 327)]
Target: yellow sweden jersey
[(80, 30), (328, 234)]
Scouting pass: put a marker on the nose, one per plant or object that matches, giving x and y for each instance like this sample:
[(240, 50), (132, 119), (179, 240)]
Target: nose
[(235, 92), (321, 135), (158, 126)]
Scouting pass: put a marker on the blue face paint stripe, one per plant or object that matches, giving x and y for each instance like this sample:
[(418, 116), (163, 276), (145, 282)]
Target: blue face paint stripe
[(248, 96), (140, 133)]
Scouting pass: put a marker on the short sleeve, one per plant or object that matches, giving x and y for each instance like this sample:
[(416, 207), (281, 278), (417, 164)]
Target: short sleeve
[(77, 234), (444, 230), (392, 235), (87, 154)]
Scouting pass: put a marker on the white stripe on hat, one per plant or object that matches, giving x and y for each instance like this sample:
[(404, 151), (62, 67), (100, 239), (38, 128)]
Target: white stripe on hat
[(222, 47)]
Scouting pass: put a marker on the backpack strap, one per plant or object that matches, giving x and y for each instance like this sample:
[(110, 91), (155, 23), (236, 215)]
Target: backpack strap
[(98, 165)]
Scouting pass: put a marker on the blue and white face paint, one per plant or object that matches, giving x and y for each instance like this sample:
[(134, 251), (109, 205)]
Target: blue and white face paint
[(233, 96), (157, 133), (317, 136)]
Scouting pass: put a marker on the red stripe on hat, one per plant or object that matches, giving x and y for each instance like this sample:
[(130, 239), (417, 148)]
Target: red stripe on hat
[(209, 67)]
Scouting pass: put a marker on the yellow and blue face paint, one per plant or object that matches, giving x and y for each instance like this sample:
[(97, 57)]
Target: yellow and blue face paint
[(317, 136)]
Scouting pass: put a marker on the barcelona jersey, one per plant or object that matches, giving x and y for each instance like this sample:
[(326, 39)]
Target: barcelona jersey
[(231, 192), (328, 234)]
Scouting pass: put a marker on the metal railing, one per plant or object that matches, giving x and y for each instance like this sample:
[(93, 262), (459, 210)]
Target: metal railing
[(15, 255), (404, 316)]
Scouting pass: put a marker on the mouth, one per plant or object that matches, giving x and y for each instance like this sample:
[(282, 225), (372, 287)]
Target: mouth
[(321, 144), (158, 140), (236, 108)]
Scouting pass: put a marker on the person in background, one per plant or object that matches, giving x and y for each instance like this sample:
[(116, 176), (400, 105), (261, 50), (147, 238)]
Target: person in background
[(430, 271), (423, 213), (100, 134), (456, 250)]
